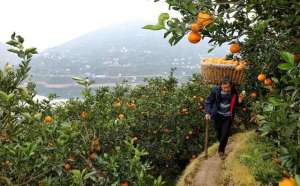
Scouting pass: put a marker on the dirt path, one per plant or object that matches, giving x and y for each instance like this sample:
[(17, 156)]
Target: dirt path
[(211, 169)]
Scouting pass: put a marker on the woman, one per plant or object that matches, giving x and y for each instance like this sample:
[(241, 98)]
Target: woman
[(220, 107)]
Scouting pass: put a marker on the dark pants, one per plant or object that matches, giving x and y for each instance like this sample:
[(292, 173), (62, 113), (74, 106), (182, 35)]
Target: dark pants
[(222, 125)]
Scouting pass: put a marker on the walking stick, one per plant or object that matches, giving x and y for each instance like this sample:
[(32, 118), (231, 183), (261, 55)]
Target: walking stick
[(206, 138)]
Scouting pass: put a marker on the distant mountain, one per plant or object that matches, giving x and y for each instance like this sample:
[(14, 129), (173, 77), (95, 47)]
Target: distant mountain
[(123, 49), (112, 54)]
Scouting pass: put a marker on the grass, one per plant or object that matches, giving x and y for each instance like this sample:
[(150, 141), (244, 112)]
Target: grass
[(233, 171)]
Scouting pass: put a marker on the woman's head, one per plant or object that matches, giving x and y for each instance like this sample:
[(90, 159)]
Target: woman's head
[(226, 84)]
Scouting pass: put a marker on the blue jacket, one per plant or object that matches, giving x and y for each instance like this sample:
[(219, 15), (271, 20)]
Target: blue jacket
[(213, 100)]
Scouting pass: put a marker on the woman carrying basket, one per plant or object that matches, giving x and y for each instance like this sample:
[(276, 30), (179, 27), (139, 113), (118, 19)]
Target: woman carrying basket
[(220, 107)]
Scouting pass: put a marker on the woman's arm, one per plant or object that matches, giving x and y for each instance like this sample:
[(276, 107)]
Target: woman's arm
[(210, 100)]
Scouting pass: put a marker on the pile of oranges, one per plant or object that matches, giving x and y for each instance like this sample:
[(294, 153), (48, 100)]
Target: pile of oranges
[(203, 19)]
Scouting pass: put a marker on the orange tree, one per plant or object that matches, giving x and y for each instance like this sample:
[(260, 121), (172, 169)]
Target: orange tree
[(109, 137), (264, 30)]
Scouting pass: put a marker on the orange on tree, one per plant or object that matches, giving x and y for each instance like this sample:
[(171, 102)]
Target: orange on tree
[(83, 115), (235, 48), (194, 37), (48, 120), (124, 183), (121, 116), (253, 95), (67, 166), (296, 57), (93, 156), (268, 82), (117, 104), (204, 19), (195, 27), (287, 182), (261, 77)]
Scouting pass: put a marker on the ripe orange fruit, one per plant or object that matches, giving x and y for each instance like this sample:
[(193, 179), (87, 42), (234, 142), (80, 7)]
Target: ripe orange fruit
[(268, 82), (121, 116), (261, 77), (124, 183), (93, 156), (117, 104), (296, 57), (131, 106), (253, 94), (67, 166), (240, 67), (41, 183), (48, 120), (98, 148), (195, 27), (287, 182), (234, 48), (83, 115), (204, 19), (194, 37)]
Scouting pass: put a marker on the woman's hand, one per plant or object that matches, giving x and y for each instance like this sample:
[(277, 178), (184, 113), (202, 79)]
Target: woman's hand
[(241, 98), (207, 116)]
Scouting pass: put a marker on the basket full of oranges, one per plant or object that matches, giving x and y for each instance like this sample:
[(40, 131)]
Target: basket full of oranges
[(214, 69)]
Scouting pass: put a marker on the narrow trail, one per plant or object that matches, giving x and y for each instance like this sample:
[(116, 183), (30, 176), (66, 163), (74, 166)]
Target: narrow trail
[(210, 172), (211, 169)]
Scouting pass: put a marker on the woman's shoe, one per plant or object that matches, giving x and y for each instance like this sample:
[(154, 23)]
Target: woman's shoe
[(222, 155)]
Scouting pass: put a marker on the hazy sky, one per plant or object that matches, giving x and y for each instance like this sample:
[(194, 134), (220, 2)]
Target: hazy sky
[(46, 23)]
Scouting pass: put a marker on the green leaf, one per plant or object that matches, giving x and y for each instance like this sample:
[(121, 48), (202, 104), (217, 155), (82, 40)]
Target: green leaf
[(162, 18), (13, 36), (13, 50), (3, 96), (12, 43), (31, 51), (288, 57), (285, 66), (88, 175), (20, 39), (297, 177), (210, 50), (154, 27), (76, 78)]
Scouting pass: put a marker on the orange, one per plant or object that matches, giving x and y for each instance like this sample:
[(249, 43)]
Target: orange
[(121, 116), (287, 182), (41, 183), (131, 106), (67, 166), (234, 48), (195, 27), (296, 57), (194, 37), (253, 94), (117, 104), (240, 67), (124, 183), (93, 156), (268, 82), (261, 77), (204, 19), (48, 120), (83, 114)]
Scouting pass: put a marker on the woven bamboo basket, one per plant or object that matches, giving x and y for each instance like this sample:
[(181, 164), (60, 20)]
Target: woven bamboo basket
[(214, 73)]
